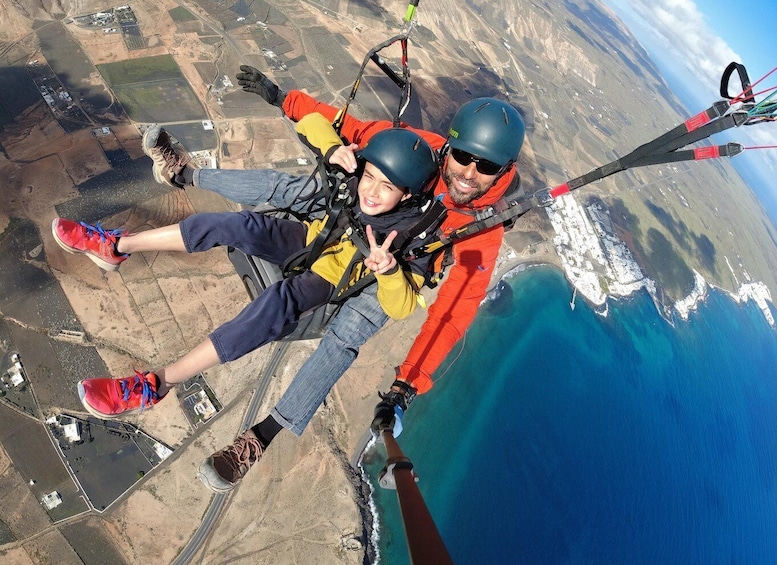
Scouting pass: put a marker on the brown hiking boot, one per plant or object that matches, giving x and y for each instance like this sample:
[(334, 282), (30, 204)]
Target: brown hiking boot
[(169, 156), (223, 470)]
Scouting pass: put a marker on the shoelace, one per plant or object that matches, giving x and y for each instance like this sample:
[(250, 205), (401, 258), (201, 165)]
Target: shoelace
[(147, 394), (246, 451), (175, 160), (98, 231)]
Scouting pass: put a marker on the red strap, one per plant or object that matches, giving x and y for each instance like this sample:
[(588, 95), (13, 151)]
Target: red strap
[(710, 152), (559, 190), (697, 121)]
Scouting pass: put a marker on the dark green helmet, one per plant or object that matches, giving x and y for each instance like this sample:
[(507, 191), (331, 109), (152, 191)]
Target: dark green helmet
[(488, 128), (406, 159)]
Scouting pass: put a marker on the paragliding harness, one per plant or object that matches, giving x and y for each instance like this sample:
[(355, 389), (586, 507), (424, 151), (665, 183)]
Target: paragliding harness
[(341, 197), (441, 244), (733, 111), (338, 191)]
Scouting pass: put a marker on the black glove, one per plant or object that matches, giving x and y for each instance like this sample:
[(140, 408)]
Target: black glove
[(253, 80), (389, 411)]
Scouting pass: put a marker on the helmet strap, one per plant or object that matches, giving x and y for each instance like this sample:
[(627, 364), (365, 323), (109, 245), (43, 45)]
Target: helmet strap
[(503, 171), (444, 151)]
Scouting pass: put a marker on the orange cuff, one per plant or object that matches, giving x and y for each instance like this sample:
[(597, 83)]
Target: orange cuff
[(411, 376)]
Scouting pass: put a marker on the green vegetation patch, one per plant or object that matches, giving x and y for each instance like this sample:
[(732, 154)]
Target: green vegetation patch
[(673, 271), (160, 101), (161, 67), (6, 535), (181, 14), (17, 94), (659, 258)]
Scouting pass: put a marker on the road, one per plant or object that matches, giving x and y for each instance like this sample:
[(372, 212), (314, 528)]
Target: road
[(220, 501)]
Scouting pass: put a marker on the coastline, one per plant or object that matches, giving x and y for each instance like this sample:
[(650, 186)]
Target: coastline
[(552, 253), (509, 263), (601, 266)]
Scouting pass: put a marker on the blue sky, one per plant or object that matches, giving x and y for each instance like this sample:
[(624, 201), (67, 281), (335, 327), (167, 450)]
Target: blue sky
[(696, 40), (703, 37)]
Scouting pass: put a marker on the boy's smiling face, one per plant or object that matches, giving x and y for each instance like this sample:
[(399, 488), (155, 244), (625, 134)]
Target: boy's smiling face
[(377, 194)]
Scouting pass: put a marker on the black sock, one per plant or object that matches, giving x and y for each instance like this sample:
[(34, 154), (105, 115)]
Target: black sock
[(185, 177), (266, 430)]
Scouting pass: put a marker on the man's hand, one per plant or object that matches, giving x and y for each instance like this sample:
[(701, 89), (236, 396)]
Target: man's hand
[(344, 157), (389, 411), (388, 414), (380, 260), (253, 80)]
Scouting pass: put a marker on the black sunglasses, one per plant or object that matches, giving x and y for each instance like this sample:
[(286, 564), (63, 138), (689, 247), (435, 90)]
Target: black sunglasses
[(483, 166)]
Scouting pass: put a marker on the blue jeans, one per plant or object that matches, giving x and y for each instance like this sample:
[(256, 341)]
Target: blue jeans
[(358, 320), (256, 187)]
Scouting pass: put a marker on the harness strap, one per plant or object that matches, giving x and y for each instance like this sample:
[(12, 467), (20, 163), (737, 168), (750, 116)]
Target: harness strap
[(372, 55), (429, 220), (339, 200), (324, 191), (402, 82), (355, 233), (512, 205), (514, 210), (660, 149), (344, 289), (730, 149), (747, 89)]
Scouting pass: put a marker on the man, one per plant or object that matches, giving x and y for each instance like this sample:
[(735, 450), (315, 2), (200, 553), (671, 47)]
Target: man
[(478, 167)]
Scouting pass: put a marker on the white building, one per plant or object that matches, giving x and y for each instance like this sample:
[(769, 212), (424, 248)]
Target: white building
[(51, 500), (15, 373), (162, 451), (72, 431)]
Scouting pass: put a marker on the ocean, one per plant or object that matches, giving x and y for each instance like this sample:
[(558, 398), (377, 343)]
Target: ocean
[(562, 436)]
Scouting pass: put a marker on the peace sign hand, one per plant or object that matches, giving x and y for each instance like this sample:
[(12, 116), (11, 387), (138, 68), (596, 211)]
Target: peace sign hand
[(380, 260)]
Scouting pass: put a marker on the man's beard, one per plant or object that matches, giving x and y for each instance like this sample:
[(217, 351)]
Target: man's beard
[(462, 197)]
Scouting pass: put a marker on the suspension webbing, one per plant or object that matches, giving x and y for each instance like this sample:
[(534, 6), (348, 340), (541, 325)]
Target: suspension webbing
[(704, 124), (402, 82), (666, 148)]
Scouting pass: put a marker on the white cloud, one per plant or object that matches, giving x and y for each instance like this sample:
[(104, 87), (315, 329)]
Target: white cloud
[(679, 26)]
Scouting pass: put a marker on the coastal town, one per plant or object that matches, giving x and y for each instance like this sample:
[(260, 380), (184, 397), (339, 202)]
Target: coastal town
[(599, 264)]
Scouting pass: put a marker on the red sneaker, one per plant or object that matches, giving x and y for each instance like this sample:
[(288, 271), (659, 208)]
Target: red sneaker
[(109, 398), (94, 241)]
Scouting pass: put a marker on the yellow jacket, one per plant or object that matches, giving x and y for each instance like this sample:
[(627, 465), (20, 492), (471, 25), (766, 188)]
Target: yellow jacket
[(397, 290)]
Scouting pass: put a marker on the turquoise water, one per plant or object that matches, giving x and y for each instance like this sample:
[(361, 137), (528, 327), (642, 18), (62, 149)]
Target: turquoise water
[(561, 436)]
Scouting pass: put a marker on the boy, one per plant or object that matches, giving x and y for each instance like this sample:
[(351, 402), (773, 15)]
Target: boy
[(398, 168)]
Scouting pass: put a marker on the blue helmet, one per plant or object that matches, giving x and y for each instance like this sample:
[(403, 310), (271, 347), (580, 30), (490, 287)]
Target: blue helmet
[(406, 159), (488, 128)]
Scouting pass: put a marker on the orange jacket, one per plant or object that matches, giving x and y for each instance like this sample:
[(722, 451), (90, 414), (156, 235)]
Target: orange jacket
[(465, 285)]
